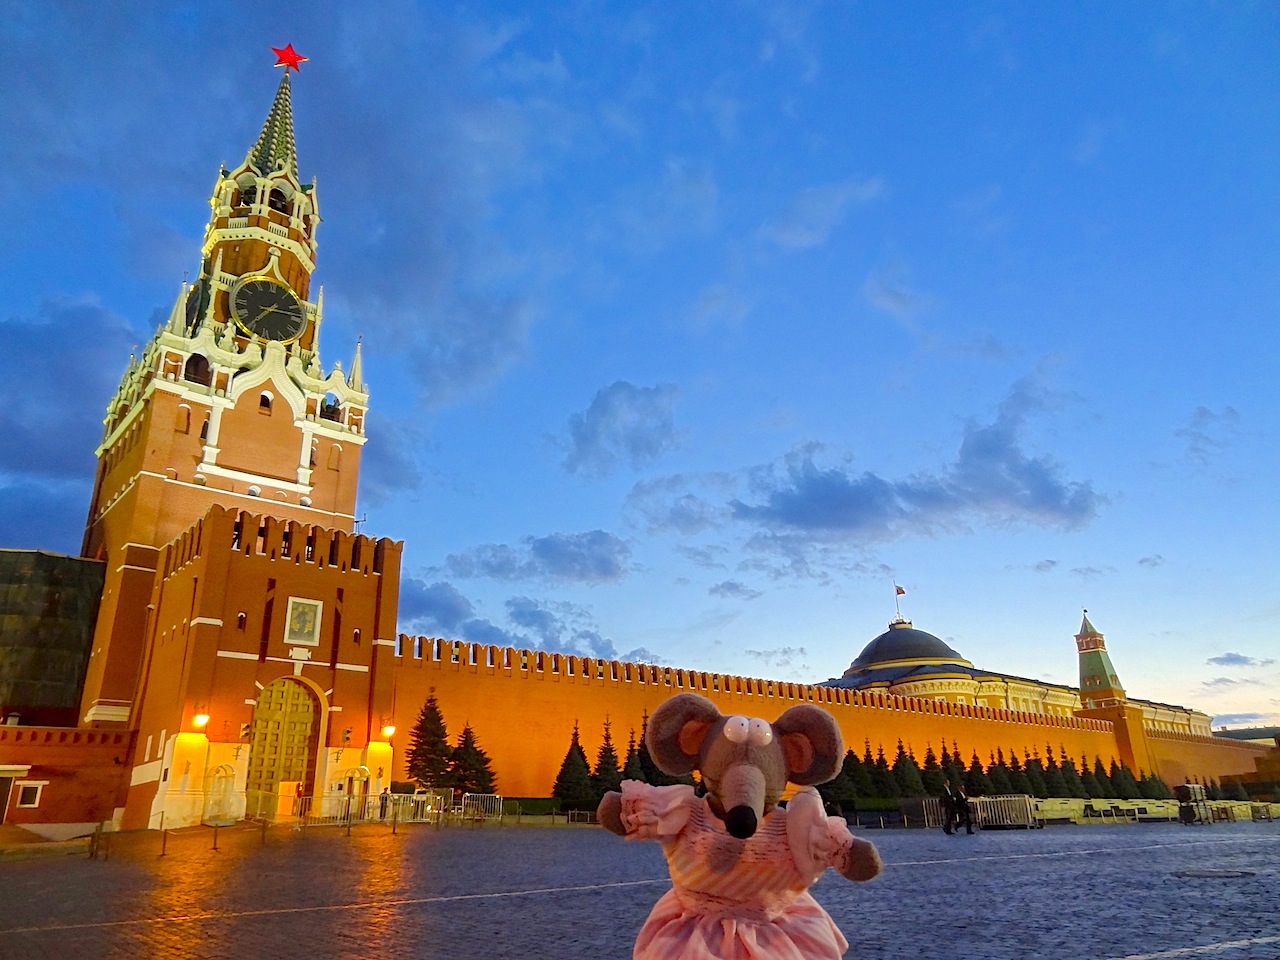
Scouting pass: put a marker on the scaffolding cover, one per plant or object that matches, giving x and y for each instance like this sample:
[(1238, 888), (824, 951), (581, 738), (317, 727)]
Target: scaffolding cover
[(48, 604)]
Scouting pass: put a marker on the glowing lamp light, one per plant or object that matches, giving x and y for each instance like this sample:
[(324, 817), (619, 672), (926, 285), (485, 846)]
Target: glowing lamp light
[(200, 719), (389, 730)]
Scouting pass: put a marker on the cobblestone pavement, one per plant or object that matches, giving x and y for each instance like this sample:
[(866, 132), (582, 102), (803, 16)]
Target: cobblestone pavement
[(1066, 893)]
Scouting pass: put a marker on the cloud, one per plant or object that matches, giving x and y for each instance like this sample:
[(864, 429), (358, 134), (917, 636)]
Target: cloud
[(1151, 561), (991, 479), (565, 627), (592, 557), (53, 424), (1238, 660), (814, 213), (733, 590), (624, 423), (1228, 682), (438, 606), (887, 290), (43, 514), (1045, 566), (1207, 433), (388, 466), (778, 658), (669, 503), (1089, 573), (1242, 719)]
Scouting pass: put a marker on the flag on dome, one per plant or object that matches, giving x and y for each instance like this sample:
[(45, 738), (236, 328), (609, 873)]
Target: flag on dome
[(899, 592)]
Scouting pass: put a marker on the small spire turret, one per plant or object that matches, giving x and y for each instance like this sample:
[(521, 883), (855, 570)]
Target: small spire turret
[(355, 379), (274, 149)]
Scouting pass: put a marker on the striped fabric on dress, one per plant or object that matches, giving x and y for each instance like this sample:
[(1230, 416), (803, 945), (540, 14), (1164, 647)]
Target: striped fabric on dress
[(736, 899)]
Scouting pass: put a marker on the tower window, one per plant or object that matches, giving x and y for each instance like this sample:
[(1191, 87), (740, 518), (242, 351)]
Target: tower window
[(278, 201), (248, 195), (197, 370), (264, 402), (204, 429), (330, 409)]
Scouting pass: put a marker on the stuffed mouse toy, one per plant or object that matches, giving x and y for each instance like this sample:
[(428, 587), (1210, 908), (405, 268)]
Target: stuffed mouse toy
[(742, 866)]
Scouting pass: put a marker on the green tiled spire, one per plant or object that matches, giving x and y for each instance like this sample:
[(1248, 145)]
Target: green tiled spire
[(275, 143)]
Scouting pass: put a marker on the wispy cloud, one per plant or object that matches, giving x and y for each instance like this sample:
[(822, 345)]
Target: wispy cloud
[(815, 212), (569, 628), (623, 424), (1208, 433), (1045, 566), (1242, 719), (1228, 682), (778, 658), (992, 478), (593, 557), (886, 289), (733, 590), (1151, 561), (1239, 660)]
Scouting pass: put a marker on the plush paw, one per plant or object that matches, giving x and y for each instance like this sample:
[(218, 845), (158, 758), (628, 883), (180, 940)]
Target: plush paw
[(609, 813)]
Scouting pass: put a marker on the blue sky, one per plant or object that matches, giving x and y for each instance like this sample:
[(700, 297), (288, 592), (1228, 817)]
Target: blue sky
[(692, 327)]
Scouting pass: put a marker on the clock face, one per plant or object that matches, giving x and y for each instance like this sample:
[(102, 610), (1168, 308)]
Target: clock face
[(268, 309)]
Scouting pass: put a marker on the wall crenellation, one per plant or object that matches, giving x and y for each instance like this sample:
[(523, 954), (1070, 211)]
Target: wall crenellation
[(510, 662)]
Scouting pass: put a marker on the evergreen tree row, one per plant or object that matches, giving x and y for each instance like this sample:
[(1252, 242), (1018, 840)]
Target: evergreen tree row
[(579, 786), (434, 763), (874, 776)]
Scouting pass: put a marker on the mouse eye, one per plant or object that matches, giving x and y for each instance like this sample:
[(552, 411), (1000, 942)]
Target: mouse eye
[(760, 733), (736, 729)]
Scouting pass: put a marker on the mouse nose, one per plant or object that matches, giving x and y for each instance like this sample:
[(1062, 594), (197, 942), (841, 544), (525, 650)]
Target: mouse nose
[(740, 822)]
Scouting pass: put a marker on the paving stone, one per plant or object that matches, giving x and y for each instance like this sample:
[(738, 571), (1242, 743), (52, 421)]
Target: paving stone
[(1068, 893)]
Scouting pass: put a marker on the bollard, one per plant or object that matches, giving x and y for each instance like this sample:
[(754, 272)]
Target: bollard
[(395, 811), (164, 835), (215, 836), (94, 841), (264, 831), (106, 844)]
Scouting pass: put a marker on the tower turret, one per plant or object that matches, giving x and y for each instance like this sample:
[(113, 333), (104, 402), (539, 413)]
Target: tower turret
[(227, 404), (1099, 685)]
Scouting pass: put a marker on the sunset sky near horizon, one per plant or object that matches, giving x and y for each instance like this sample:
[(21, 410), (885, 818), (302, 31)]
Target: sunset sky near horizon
[(691, 328)]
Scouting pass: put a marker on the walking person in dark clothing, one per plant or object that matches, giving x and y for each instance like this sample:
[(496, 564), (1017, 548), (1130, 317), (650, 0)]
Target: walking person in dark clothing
[(949, 807), (962, 811)]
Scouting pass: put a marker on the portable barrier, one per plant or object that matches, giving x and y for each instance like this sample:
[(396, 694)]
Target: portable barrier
[(479, 806), (1007, 812)]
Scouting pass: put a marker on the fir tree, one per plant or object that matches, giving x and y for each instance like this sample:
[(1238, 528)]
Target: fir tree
[(1123, 782), (1034, 770), (952, 765), (907, 774), (1092, 789), (1213, 791), (882, 779), (859, 775), (1233, 791), (573, 782), (1017, 777), (998, 774), (1053, 778), (429, 752), (976, 782), (1153, 788), (1071, 777), (469, 769), (1106, 789), (631, 768), (607, 775), (931, 774)]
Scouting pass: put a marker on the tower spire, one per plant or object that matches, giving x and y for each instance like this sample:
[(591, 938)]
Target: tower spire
[(1099, 685), (355, 379), (274, 149)]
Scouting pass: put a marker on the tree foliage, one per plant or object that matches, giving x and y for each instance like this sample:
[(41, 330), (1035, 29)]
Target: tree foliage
[(430, 755), (469, 769), (573, 783), (607, 775)]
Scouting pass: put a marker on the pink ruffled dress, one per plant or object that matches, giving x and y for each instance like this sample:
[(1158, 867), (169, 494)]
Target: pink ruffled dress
[(737, 899)]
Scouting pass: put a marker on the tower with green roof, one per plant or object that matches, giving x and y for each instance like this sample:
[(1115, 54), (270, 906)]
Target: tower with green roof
[(1099, 685)]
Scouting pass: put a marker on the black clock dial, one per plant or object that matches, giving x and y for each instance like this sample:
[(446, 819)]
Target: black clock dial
[(268, 309)]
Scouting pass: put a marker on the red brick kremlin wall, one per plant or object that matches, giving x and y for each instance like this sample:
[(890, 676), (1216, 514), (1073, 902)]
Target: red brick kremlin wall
[(523, 704)]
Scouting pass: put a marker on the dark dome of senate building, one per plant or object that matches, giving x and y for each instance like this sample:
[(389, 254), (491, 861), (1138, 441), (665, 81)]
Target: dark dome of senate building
[(903, 642)]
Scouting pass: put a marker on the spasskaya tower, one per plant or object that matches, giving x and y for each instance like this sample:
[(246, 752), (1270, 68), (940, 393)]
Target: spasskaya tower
[(228, 404)]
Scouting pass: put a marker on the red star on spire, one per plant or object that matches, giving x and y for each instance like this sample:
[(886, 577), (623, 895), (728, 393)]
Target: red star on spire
[(288, 57)]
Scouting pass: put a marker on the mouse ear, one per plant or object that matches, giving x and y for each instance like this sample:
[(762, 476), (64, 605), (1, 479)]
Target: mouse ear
[(811, 742), (676, 731)]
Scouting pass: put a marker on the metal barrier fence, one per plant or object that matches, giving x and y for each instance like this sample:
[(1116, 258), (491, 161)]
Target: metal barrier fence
[(1002, 812)]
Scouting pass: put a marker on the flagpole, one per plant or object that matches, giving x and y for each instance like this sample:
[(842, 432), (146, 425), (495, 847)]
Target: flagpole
[(897, 592)]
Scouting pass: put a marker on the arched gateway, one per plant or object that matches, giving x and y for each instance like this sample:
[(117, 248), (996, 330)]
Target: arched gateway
[(282, 745)]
